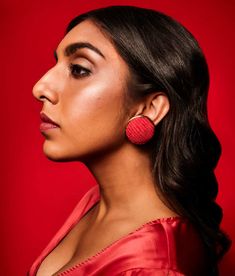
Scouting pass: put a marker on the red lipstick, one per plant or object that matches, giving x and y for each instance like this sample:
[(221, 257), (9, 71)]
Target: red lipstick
[(47, 123)]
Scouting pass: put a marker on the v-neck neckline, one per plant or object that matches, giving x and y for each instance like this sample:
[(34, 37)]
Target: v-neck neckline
[(95, 198), (104, 249)]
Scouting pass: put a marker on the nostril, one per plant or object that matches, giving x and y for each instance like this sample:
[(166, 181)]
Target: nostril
[(42, 98)]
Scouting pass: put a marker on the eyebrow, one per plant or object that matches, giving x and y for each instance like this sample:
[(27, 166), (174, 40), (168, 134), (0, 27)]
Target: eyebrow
[(72, 48)]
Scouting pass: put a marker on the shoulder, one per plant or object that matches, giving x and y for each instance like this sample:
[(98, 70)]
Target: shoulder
[(168, 246)]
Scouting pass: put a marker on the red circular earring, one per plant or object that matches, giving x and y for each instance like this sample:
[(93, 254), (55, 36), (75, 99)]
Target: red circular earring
[(140, 129)]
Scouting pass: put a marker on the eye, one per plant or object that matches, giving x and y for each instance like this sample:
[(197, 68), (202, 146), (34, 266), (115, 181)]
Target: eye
[(79, 71)]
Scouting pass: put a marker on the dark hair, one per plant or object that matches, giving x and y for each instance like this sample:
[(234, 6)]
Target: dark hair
[(164, 56)]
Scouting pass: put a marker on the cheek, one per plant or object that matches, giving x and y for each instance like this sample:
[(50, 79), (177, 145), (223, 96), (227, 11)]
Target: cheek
[(93, 111)]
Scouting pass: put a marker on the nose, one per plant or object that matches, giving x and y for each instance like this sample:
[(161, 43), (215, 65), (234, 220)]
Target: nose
[(45, 89)]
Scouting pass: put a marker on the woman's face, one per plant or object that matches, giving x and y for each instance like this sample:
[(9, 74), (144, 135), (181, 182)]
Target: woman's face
[(85, 103)]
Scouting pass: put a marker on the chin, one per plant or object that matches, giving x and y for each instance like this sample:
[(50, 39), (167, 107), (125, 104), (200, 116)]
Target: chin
[(54, 153), (57, 154)]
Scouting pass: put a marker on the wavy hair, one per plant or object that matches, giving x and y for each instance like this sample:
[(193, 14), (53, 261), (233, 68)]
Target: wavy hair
[(163, 55)]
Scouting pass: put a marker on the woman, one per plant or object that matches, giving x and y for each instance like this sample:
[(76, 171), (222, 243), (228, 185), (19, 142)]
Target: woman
[(128, 98)]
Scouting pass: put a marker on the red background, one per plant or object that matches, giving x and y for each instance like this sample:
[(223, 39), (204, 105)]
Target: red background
[(37, 194)]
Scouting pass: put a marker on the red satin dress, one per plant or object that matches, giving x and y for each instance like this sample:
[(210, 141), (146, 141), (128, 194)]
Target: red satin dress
[(165, 246)]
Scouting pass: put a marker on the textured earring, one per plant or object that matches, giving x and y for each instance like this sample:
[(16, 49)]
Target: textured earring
[(140, 129)]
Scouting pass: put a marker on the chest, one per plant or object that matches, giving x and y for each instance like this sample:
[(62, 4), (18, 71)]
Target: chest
[(58, 256), (81, 243)]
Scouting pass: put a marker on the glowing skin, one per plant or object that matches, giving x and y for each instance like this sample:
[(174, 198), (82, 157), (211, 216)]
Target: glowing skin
[(87, 107), (88, 110)]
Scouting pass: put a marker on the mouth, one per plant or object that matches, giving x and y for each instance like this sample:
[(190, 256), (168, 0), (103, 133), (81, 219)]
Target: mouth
[(47, 123)]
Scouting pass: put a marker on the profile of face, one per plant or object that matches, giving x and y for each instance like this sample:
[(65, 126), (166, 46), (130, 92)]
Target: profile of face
[(83, 93)]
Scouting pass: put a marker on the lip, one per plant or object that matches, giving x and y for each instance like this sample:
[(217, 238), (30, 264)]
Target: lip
[(47, 122)]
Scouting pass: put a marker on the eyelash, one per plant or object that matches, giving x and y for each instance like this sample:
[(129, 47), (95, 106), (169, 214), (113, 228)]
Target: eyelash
[(77, 66)]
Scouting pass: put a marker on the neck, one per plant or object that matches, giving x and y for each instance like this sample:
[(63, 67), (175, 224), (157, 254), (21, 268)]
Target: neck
[(126, 184)]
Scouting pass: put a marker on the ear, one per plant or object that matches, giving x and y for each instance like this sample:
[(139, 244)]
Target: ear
[(155, 106)]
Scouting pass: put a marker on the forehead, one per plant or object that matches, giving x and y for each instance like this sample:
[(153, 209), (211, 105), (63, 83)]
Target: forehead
[(87, 31)]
